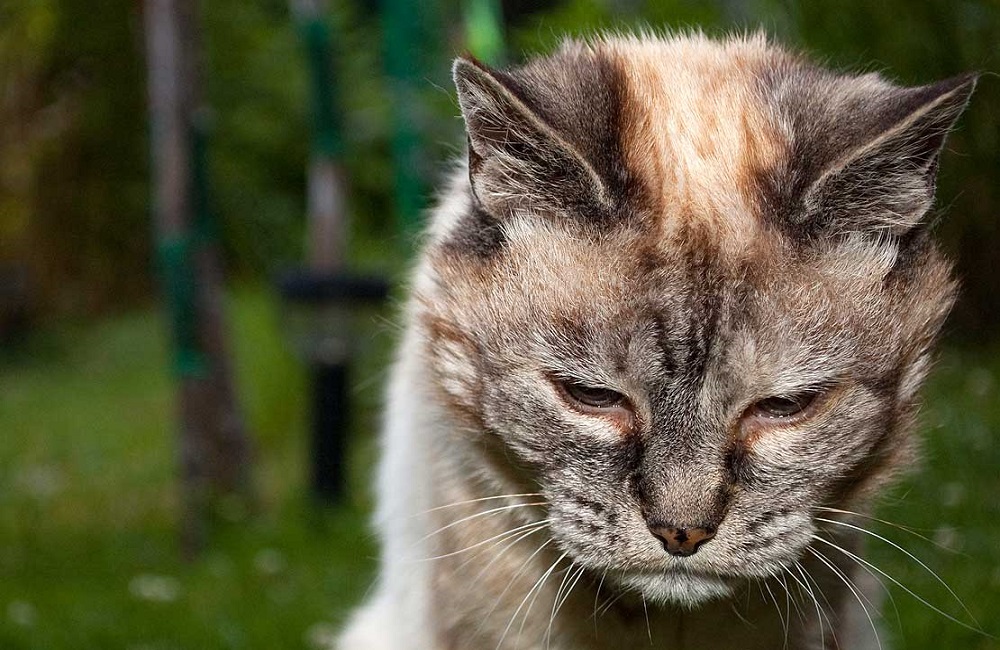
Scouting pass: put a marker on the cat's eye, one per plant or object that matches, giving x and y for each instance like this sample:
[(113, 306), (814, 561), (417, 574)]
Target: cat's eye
[(785, 406), (594, 397)]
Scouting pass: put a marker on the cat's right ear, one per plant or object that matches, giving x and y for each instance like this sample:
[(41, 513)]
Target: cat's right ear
[(517, 160)]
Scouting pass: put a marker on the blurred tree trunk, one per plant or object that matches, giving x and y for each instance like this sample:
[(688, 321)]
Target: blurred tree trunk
[(214, 447)]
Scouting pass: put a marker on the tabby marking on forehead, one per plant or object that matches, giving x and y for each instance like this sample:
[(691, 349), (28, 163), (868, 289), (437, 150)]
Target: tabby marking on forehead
[(700, 132)]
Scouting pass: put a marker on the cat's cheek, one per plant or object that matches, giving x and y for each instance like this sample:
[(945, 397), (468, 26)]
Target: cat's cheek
[(455, 359)]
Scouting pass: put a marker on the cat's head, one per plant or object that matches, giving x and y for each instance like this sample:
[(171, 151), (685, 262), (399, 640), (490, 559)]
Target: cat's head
[(686, 289)]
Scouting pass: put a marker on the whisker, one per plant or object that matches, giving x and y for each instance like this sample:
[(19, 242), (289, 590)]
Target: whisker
[(840, 573), (850, 585), (555, 603), (903, 587), (788, 607), (908, 554), (885, 589), (742, 617), (513, 579), (505, 534), (597, 594), (830, 609), (777, 609), (468, 501), (510, 544), (789, 599), (819, 613), (906, 529), (477, 515), (579, 574), (534, 590), (559, 602), (645, 612), (610, 602)]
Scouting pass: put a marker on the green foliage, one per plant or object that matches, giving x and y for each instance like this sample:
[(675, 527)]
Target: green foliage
[(255, 92), (951, 502), (24, 44)]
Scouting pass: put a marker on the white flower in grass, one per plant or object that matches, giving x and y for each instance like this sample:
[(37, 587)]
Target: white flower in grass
[(269, 562), (322, 636), (980, 382), (41, 482), (154, 588), (952, 494), (22, 613), (948, 537)]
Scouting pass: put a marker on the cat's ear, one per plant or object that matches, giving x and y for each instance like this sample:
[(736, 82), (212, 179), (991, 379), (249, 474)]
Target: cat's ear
[(886, 182), (517, 159)]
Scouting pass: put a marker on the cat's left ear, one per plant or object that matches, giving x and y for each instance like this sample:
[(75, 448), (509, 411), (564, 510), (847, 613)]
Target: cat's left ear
[(886, 183)]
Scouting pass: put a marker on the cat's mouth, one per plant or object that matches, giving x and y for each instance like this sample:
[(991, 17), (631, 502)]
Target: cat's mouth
[(677, 586)]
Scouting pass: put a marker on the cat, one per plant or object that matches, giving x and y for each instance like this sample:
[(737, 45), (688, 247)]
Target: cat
[(667, 331)]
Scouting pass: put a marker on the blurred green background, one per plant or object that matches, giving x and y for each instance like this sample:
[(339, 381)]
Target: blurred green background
[(89, 506)]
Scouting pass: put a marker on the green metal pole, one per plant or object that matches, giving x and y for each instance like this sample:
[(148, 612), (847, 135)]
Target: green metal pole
[(325, 110), (326, 241), (484, 30), (402, 46)]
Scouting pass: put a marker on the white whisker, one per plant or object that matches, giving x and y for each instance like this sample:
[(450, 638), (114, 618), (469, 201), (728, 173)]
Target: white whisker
[(468, 501), (555, 603), (610, 603), (777, 609), (905, 529), (790, 600), (597, 594), (908, 554), (513, 579), (477, 515), (861, 560), (509, 544), (819, 613), (579, 574), (852, 588), (506, 534), (534, 590), (645, 612)]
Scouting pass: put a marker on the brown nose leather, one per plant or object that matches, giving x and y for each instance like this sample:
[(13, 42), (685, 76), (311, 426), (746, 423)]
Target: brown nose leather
[(682, 542)]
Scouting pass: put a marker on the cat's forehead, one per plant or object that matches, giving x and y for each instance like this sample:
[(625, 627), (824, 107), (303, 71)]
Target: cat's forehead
[(700, 132)]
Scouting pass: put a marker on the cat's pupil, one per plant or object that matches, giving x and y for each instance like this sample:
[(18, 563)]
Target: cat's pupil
[(785, 406), (593, 395)]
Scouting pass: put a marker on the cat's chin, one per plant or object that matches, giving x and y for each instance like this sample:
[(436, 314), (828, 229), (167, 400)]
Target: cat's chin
[(677, 588)]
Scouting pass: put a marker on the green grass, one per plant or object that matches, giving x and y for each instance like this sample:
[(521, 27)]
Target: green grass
[(954, 501), (88, 506)]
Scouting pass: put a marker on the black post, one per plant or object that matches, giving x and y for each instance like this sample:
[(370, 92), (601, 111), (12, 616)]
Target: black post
[(331, 419)]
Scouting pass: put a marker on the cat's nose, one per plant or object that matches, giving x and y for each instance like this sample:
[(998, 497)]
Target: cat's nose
[(682, 542)]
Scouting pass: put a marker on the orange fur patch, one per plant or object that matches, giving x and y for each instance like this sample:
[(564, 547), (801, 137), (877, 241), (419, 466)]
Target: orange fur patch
[(698, 131)]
